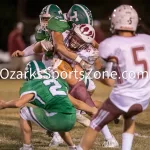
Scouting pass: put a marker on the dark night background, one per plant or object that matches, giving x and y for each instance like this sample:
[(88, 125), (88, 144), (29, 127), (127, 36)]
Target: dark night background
[(28, 11)]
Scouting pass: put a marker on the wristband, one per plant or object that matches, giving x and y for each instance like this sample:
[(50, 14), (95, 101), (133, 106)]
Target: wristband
[(78, 59)]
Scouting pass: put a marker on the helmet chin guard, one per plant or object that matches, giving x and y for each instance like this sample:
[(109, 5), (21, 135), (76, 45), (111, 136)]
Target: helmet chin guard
[(81, 36)]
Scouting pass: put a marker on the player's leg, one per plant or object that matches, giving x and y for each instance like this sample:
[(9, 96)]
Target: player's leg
[(129, 126), (88, 138), (49, 121), (67, 138), (79, 91), (56, 140), (26, 129), (90, 85), (62, 120), (83, 120), (106, 114), (128, 134)]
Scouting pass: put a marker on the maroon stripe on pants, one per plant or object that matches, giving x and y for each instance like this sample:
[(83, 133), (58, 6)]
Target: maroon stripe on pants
[(106, 114)]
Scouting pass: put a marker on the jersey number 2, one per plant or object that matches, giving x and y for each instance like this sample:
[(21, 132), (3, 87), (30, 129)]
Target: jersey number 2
[(139, 62), (54, 89)]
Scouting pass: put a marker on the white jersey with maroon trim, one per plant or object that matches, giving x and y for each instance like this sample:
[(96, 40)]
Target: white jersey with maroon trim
[(133, 57)]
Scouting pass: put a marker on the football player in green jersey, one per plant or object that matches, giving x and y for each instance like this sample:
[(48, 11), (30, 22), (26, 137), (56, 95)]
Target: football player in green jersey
[(54, 109), (47, 12)]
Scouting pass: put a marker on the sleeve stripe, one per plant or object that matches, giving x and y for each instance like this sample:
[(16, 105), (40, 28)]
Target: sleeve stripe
[(35, 96)]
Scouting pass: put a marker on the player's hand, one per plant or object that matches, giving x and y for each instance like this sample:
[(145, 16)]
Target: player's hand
[(94, 110), (2, 104), (85, 65), (18, 53), (46, 45), (95, 54)]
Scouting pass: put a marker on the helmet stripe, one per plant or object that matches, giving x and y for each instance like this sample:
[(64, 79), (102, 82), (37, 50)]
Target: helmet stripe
[(85, 12), (48, 8)]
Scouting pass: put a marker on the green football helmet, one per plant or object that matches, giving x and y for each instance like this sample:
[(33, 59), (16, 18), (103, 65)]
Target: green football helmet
[(47, 12), (80, 14), (35, 70)]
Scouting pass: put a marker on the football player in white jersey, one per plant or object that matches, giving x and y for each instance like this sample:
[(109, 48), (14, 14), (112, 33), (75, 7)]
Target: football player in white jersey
[(79, 41), (127, 54)]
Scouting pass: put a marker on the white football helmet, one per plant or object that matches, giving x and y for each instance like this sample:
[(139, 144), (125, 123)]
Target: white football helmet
[(124, 17), (82, 35), (86, 32)]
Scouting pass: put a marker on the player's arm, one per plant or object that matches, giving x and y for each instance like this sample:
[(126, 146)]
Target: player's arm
[(16, 103), (98, 64), (30, 50), (82, 106), (60, 47), (43, 46), (95, 44), (36, 48), (110, 78)]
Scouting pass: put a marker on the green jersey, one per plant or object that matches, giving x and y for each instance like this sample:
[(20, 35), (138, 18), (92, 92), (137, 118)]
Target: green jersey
[(41, 35), (49, 94), (58, 24)]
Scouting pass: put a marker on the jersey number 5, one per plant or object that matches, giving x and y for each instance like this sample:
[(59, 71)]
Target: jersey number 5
[(140, 62), (54, 89)]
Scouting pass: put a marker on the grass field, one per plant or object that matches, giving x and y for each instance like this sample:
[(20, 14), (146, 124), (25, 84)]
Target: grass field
[(10, 132)]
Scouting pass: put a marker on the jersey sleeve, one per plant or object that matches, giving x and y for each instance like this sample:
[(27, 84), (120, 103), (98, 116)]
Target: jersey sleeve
[(27, 88), (58, 25), (105, 50)]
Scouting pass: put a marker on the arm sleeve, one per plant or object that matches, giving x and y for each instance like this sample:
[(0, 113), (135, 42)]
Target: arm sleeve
[(29, 50)]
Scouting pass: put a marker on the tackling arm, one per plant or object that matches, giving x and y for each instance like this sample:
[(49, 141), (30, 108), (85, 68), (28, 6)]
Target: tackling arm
[(16, 103), (59, 46), (82, 106), (95, 44), (30, 50)]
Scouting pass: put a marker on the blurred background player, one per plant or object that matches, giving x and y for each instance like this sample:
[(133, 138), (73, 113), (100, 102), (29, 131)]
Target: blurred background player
[(15, 40)]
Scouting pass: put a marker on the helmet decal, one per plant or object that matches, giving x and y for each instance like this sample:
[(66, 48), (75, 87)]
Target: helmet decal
[(84, 12), (74, 17), (80, 14), (86, 31)]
